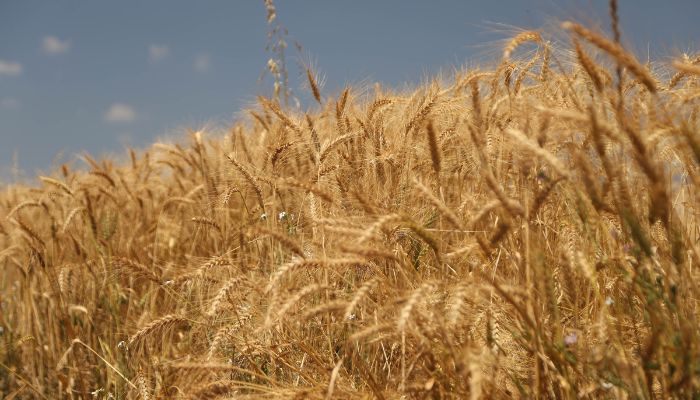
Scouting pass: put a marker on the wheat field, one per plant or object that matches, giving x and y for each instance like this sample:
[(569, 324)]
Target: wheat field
[(527, 230)]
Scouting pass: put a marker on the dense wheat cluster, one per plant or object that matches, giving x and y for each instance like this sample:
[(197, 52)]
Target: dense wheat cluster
[(523, 231)]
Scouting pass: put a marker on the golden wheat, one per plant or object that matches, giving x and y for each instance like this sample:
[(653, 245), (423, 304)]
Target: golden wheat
[(521, 231)]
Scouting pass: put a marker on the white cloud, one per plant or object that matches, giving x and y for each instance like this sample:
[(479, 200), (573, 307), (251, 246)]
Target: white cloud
[(54, 45), (10, 68), (120, 112), (202, 63), (157, 52), (8, 103)]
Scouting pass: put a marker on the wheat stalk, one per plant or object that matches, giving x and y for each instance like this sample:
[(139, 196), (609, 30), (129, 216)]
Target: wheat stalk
[(616, 51)]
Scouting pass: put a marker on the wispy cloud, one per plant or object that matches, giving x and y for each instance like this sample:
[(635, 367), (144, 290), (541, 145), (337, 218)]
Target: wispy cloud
[(53, 45), (157, 52), (10, 68), (120, 112), (8, 103), (202, 63)]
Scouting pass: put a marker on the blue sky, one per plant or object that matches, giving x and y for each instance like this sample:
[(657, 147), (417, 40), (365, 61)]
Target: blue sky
[(96, 76)]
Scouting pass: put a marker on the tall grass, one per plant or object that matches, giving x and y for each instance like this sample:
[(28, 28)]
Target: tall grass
[(526, 231)]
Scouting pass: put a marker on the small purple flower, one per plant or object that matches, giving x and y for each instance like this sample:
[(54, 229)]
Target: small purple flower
[(571, 339)]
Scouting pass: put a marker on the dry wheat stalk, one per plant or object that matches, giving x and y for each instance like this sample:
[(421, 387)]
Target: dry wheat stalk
[(444, 210), (686, 68), (434, 148), (518, 40), (156, 328), (617, 52), (249, 178), (589, 66), (57, 184), (533, 147), (313, 84)]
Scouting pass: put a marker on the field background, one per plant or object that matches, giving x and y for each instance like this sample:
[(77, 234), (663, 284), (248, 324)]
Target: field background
[(527, 230)]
